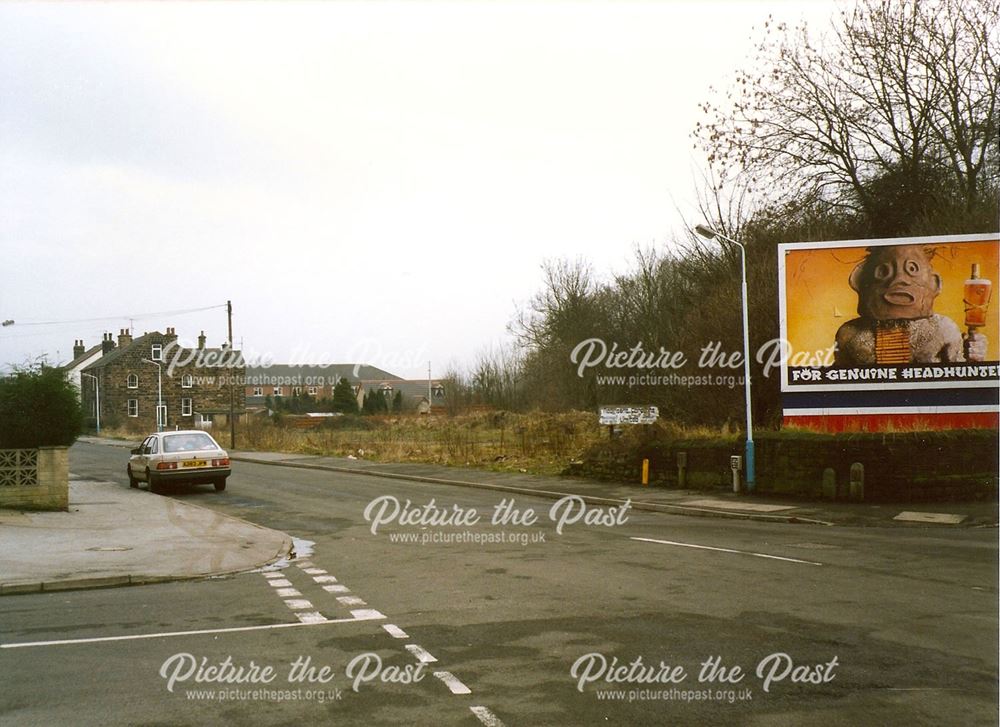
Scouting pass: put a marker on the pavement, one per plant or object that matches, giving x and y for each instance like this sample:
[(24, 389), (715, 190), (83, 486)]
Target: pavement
[(115, 536)]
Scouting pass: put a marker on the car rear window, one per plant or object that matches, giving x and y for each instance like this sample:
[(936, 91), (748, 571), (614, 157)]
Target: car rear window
[(188, 442)]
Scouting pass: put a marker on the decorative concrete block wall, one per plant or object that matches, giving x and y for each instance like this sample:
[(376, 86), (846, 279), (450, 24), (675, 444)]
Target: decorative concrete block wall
[(34, 479)]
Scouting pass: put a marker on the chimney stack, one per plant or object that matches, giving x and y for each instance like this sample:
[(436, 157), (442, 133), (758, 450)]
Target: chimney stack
[(201, 341), (78, 348), (171, 335), (107, 343), (124, 337)]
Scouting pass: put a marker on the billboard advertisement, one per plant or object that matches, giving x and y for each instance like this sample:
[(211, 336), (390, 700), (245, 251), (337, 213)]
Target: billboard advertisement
[(887, 319)]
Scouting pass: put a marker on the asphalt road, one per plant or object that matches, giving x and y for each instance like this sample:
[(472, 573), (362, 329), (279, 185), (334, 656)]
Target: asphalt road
[(855, 626)]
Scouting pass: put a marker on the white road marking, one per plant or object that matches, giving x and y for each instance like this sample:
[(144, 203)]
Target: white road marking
[(280, 582), (727, 550), (324, 579), (359, 615), (487, 717), (297, 604), (366, 614), (351, 601), (395, 631), (337, 588), (274, 574), (314, 571), (287, 592), (304, 564), (422, 654), (310, 617), (452, 682)]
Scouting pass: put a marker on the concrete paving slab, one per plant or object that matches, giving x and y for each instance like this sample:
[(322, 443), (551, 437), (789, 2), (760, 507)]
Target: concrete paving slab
[(737, 505), (943, 518), (113, 536)]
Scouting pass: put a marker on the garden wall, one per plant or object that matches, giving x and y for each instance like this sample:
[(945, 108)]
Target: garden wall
[(902, 467)]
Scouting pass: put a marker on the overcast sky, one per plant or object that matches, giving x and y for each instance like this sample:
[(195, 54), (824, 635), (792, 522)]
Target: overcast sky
[(370, 181)]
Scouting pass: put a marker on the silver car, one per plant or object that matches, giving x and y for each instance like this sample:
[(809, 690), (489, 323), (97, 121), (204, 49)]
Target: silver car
[(190, 456)]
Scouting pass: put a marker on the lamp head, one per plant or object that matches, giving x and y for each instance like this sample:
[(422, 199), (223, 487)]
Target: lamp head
[(707, 232)]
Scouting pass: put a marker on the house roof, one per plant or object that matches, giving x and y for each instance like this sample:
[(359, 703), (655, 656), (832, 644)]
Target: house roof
[(289, 375), (82, 357), (147, 339)]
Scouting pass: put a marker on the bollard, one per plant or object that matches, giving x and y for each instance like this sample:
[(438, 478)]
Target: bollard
[(857, 481), (829, 488), (682, 466), (736, 464), (645, 472)]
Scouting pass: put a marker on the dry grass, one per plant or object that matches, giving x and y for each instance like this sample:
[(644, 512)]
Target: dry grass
[(538, 443)]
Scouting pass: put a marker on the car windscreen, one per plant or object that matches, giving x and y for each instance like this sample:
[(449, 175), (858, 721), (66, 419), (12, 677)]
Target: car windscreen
[(188, 442)]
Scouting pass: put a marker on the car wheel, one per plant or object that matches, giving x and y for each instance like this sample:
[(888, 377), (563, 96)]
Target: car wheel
[(220, 484), (154, 483), (132, 481)]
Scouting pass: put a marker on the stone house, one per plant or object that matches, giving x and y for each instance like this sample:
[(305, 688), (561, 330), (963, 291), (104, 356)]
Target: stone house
[(141, 378)]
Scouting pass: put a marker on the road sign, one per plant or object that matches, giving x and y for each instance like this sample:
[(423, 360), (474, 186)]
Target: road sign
[(612, 415)]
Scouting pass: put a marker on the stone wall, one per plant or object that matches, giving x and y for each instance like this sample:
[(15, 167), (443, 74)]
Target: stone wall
[(34, 479), (901, 467)]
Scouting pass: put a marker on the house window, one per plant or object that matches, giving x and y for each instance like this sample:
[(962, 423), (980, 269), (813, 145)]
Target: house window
[(386, 391), (296, 390), (133, 407), (156, 353), (258, 391), (277, 391), (438, 392), (187, 381), (132, 381), (312, 391), (207, 418), (186, 407)]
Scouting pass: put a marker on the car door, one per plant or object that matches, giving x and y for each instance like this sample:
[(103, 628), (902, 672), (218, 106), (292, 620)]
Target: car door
[(135, 458), (139, 459)]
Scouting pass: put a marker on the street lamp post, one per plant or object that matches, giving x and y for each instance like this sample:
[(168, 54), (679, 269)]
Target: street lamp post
[(709, 234), (97, 397), (159, 393)]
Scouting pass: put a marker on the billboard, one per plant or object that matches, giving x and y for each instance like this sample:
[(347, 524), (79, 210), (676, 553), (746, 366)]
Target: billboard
[(870, 324)]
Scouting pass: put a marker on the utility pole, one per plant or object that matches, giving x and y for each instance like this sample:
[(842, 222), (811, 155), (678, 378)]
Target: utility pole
[(232, 397), (430, 400)]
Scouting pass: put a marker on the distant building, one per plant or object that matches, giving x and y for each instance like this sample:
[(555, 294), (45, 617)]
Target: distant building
[(284, 380), (415, 393), (195, 391), (82, 358)]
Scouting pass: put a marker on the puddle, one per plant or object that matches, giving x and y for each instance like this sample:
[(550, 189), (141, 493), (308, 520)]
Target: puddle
[(300, 549)]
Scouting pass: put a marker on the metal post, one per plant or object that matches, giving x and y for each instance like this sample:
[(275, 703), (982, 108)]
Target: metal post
[(232, 402), (159, 393), (709, 233)]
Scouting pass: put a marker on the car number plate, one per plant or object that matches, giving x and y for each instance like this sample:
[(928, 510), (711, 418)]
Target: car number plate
[(195, 463)]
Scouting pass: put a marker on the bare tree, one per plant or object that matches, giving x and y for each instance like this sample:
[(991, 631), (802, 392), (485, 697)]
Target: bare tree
[(904, 88)]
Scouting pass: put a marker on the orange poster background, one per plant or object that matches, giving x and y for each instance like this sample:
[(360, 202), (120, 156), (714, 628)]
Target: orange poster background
[(819, 298)]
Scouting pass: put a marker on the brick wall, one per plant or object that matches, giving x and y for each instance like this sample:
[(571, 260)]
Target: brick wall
[(901, 467)]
